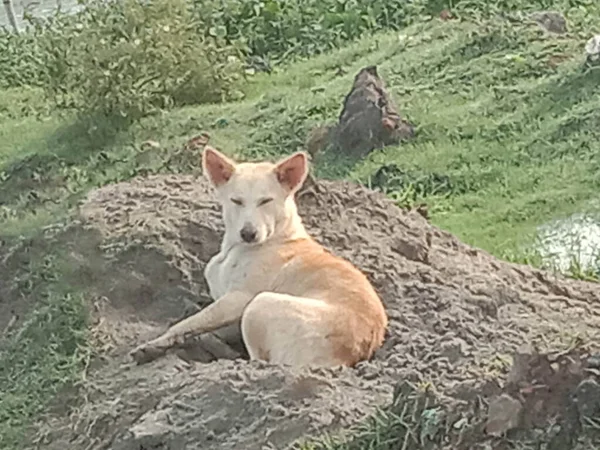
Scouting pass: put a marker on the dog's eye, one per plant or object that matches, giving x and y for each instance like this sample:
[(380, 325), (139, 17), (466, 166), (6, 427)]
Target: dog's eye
[(237, 201), (264, 201)]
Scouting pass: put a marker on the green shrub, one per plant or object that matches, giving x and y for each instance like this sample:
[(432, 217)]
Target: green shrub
[(20, 63), (279, 29), (131, 58)]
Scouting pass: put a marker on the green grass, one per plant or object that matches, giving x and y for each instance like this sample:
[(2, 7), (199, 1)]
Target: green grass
[(46, 354), (49, 350), (515, 138)]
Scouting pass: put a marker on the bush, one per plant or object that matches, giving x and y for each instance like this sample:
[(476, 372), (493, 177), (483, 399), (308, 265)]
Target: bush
[(20, 63), (279, 29), (131, 58)]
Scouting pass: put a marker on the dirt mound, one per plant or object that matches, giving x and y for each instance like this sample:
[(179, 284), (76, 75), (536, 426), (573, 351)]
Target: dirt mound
[(369, 119), (457, 315)]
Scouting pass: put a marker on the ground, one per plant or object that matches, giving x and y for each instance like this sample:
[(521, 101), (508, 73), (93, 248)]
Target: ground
[(507, 132)]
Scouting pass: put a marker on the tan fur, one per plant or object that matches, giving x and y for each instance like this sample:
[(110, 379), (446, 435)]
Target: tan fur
[(298, 304)]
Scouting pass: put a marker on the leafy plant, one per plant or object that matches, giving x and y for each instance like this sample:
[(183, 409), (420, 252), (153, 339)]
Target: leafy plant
[(20, 63), (130, 59), (280, 29)]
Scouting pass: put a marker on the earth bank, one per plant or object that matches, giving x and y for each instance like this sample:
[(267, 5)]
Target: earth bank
[(457, 317)]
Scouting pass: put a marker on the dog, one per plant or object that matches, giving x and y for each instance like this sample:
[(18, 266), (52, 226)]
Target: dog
[(297, 304)]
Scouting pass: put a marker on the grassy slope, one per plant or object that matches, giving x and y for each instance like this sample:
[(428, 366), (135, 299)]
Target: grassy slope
[(516, 136)]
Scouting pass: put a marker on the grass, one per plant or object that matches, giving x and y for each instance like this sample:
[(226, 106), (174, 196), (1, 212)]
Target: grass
[(506, 118), (515, 135), (50, 348)]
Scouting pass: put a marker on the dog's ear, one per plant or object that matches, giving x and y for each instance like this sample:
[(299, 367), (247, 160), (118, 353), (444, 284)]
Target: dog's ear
[(292, 171), (217, 167)]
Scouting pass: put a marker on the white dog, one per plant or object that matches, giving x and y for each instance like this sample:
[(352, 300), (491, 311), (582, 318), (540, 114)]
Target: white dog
[(298, 304)]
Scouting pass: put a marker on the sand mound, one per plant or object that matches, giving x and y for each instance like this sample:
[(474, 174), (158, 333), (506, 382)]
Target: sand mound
[(457, 315)]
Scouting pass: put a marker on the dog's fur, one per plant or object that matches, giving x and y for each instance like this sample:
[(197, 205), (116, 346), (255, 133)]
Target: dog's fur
[(298, 304)]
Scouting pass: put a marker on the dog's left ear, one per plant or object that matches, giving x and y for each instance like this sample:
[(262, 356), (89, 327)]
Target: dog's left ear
[(292, 171)]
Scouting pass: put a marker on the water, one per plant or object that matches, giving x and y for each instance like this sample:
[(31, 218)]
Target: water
[(575, 238), (38, 8)]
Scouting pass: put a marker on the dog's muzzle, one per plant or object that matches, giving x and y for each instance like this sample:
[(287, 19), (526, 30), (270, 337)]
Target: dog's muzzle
[(248, 233)]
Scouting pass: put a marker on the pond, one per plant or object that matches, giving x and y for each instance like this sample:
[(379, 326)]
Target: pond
[(574, 239)]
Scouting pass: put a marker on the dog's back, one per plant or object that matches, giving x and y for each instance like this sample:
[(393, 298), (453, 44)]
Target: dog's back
[(358, 320)]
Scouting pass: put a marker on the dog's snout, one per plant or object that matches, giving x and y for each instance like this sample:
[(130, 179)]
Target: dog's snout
[(248, 233)]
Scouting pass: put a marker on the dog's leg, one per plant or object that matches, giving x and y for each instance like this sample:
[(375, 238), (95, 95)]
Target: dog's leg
[(225, 311), (297, 331)]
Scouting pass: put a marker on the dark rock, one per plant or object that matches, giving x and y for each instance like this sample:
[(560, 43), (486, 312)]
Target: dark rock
[(369, 119), (551, 21)]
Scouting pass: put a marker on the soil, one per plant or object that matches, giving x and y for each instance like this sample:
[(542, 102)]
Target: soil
[(458, 318)]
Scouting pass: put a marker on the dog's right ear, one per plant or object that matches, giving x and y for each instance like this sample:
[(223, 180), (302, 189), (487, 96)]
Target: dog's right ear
[(217, 167)]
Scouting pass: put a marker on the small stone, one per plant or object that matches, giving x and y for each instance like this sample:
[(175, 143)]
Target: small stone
[(454, 349), (198, 142), (592, 49), (411, 249), (150, 144), (503, 415), (593, 361), (446, 14), (551, 21), (587, 398), (520, 366)]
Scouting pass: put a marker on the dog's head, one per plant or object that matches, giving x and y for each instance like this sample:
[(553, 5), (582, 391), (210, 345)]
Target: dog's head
[(257, 198)]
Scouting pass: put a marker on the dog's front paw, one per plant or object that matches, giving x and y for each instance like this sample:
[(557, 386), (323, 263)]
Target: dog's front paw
[(146, 353)]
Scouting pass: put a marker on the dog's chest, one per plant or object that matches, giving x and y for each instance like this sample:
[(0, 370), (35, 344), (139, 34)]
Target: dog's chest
[(229, 271)]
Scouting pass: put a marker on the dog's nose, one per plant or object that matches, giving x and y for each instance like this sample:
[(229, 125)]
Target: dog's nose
[(248, 234)]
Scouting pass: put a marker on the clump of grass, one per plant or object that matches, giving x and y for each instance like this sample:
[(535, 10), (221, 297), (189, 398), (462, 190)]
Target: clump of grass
[(579, 271), (49, 349), (413, 420), (47, 353)]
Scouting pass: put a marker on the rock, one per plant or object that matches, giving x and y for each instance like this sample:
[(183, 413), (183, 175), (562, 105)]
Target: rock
[(369, 119), (454, 349), (592, 50), (318, 139), (503, 415), (587, 398), (551, 21)]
